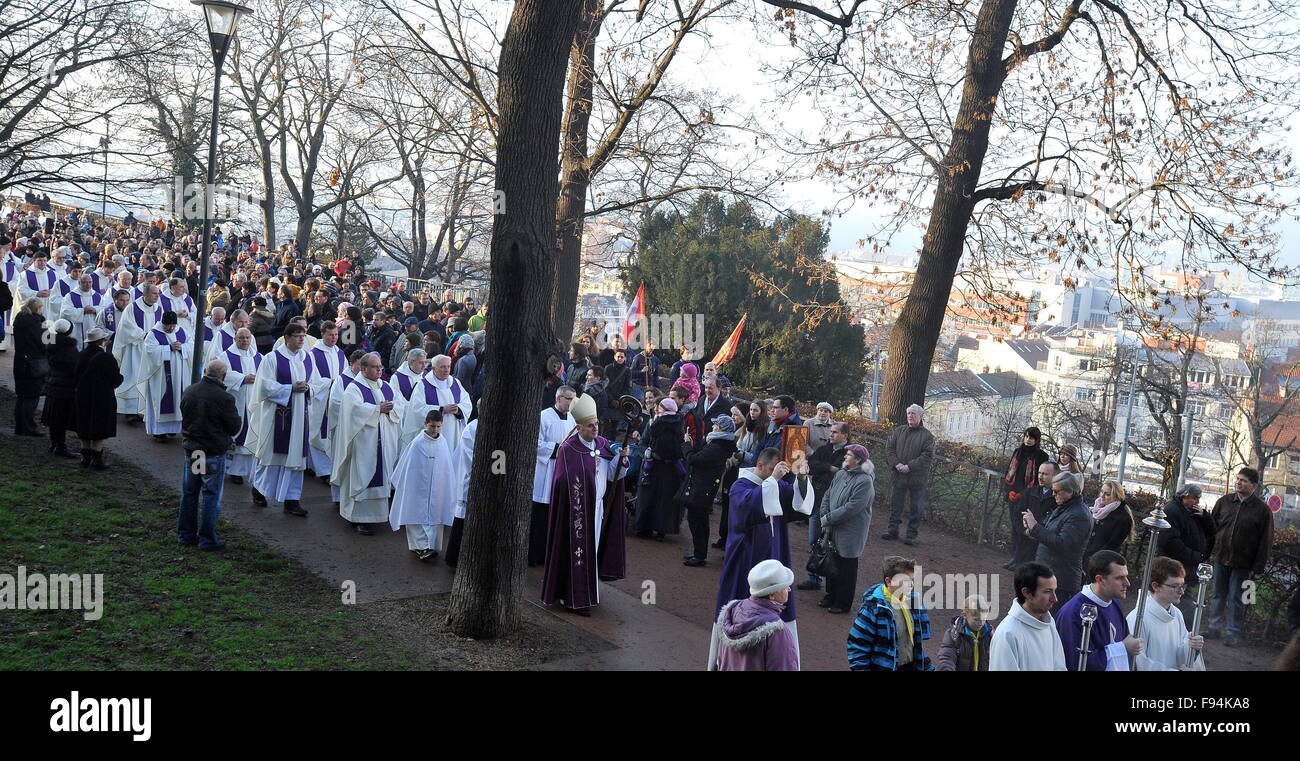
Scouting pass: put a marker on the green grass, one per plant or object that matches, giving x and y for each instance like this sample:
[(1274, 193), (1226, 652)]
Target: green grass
[(165, 607)]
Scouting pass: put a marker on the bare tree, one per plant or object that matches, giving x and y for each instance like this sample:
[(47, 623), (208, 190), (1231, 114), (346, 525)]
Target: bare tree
[(1269, 391)]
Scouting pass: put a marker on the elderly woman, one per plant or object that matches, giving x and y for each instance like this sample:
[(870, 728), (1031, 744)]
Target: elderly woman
[(30, 365), (97, 375), (59, 415), (1062, 536), (846, 517), (752, 636)]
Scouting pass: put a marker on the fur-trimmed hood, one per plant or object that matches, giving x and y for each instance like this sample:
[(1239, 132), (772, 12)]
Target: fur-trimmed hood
[(745, 624)]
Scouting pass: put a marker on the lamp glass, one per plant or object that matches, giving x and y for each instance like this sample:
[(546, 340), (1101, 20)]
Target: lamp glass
[(221, 19)]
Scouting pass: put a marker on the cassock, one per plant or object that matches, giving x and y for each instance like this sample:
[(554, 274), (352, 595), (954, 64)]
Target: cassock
[(32, 281), (74, 311), (131, 352), (335, 402), (241, 461), (329, 363), (431, 393), (581, 549), (367, 449), (180, 304), (427, 489), (217, 342), (280, 424), (165, 376), (756, 531), (552, 429), (1106, 641)]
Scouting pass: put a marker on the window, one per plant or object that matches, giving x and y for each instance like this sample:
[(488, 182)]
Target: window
[(1198, 376), (1197, 407), (1082, 394), (1056, 362), (1087, 365)]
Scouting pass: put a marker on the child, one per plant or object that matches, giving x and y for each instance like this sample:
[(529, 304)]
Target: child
[(965, 645), (425, 488)]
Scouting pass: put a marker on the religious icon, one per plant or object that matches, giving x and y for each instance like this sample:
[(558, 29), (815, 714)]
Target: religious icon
[(794, 443)]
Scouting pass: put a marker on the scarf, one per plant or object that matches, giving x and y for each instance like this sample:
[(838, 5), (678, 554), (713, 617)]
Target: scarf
[(907, 613), (1100, 511), (713, 435)]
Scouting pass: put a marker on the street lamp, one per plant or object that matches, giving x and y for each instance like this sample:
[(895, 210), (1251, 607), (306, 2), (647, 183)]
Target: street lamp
[(222, 18)]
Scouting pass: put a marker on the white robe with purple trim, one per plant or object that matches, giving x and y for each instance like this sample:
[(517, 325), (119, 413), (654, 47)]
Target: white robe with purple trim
[(217, 342), (464, 461), (280, 423), (74, 311), (131, 353), (241, 461), (368, 451), (430, 394), (103, 283), (329, 362), (32, 281), (10, 266), (180, 304), (165, 376)]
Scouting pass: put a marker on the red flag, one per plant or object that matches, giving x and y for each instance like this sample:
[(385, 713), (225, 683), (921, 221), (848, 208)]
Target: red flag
[(635, 314), (728, 349)]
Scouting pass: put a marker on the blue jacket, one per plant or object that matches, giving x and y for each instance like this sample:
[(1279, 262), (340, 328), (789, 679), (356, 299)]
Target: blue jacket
[(770, 438), (873, 640)]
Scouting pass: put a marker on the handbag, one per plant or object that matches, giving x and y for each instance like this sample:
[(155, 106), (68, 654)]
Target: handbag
[(822, 559)]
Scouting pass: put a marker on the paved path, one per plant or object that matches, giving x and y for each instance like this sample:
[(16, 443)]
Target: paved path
[(671, 634)]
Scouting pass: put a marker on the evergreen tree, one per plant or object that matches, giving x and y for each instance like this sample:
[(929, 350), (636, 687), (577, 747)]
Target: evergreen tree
[(724, 261)]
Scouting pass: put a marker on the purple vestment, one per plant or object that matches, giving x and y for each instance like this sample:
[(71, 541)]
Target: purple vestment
[(751, 540), (576, 559)]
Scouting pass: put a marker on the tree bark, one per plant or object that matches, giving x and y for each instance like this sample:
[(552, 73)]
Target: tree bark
[(486, 592), (575, 169), (916, 333)]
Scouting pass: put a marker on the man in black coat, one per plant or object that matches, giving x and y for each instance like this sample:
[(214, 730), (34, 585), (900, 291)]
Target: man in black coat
[(1036, 500), (823, 464), (209, 419), (1189, 540)]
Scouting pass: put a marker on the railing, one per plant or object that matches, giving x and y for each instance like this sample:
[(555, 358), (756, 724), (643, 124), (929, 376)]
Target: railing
[(459, 291)]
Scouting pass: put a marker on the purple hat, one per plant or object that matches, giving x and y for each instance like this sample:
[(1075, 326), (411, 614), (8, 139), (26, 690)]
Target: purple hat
[(668, 404), (858, 451)]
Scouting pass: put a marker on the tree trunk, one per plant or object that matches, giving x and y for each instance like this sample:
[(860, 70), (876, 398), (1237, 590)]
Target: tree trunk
[(575, 170), (268, 199), (486, 592), (916, 333)]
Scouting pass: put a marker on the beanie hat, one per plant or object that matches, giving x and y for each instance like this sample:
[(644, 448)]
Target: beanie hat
[(725, 423), (769, 577), (668, 404), (858, 451)]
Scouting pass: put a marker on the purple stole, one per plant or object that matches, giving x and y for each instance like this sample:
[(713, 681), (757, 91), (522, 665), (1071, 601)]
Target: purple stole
[(283, 424), (237, 366), (167, 406), (323, 367), (31, 280), (64, 287), (226, 339), (579, 558), (96, 298), (405, 385), (431, 392), (138, 314), (368, 394), (10, 271), (101, 282)]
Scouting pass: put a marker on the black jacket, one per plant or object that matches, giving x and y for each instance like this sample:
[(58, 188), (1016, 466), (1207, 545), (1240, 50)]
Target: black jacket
[(704, 418), (706, 464), (665, 439), (1110, 532), (1189, 538), (1062, 537), (209, 417), (1037, 500), (1023, 469), (61, 383), (1243, 532), (823, 464), (27, 349), (97, 377)]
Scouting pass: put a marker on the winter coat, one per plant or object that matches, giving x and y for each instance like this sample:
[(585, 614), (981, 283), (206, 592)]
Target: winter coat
[(846, 510), (639, 364), (961, 649), (1110, 532), (1062, 538), (1243, 532), (823, 464), (873, 639), (1023, 470), (261, 323), (1189, 538), (209, 417), (664, 441), (754, 638), (913, 447), (770, 437), (97, 378), (618, 379), (707, 463), (27, 349), (61, 383)]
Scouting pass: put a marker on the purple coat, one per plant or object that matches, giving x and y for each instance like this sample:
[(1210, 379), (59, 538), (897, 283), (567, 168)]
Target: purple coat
[(754, 638)]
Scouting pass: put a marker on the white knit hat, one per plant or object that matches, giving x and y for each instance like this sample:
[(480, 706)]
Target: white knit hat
[(769, 577)]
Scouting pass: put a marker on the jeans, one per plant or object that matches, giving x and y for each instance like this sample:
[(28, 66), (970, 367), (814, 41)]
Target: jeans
[(210, 483), (913, 494), (1228, 590)]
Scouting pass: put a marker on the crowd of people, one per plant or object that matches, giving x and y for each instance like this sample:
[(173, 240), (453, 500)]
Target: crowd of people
[(312, 368)]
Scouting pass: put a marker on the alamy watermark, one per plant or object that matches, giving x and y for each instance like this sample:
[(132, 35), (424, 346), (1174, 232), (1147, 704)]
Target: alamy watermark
[(57, 591)]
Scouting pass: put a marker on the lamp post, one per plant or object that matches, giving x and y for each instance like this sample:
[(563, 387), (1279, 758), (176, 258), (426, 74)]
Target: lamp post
[(222, 18)]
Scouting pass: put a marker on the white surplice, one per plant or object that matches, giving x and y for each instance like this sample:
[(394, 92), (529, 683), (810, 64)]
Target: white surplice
[(165, 376), (368, 450), (240, 363), (279, 474), (551, 432), (432, 393), (426, 482), (130, 350)]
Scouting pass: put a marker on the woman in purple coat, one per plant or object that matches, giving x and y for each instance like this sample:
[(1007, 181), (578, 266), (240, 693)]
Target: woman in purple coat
[(753, 636)]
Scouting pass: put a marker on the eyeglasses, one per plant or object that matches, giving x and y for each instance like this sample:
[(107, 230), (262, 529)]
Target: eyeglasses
[(1175, 587)]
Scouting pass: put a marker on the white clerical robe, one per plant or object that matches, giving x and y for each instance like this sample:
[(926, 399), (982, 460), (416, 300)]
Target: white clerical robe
[(217, 341), (165, 376), (103, 282), (432, 393), (368, 450), (74, 311), (464, 461), (427, 484), (404, 382), (10, 266), (241, 461), (131, 352), (32, 281), (551, 432), (280, 424), (183, 306), (308, 345), (335, 403), (329, 363), (1166, 635)]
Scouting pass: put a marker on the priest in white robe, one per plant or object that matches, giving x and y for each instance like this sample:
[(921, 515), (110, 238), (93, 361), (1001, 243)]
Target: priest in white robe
[(82, 307), (448, 395), (426, 487), (244, 362), (346, 378), (178, 300), (105, 278), (1169, 645), (223, 333), (281, 423), (368, 448), (330, 362), (10, 267), (165, 375), (555, 426), (309, 342), (464, 462), (130, 350), (408, 375), (38, 281)]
